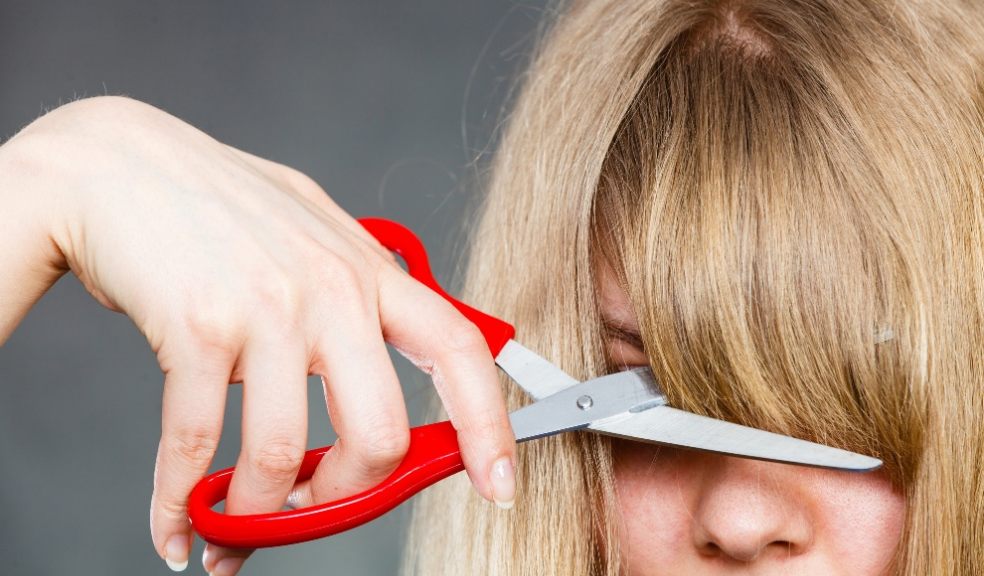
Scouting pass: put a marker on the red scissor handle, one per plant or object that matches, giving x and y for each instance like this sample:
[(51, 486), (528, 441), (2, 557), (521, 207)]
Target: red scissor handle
[(400, 239), (433, 454)]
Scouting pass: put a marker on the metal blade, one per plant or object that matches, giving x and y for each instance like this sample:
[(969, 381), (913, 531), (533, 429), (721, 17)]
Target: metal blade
[(534, 373), (666, 425), (580, 405), (661, 424)]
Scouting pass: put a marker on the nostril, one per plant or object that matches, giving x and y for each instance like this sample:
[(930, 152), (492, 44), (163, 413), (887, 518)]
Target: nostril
[(711, 549), (787, 547), (744, 544), (775, 549), (778, 549)]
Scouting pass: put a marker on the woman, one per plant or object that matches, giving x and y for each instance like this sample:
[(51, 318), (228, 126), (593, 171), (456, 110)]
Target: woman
[(783, 205), (777, 207)]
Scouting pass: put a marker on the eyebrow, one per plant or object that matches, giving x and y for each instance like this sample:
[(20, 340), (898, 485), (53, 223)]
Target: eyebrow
[(618, 330)]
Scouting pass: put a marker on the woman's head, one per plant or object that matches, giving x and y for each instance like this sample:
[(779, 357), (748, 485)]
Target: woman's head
[(789, 197)]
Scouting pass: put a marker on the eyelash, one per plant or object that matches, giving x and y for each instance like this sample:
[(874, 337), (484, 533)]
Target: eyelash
[(611, 366), (614, 334)]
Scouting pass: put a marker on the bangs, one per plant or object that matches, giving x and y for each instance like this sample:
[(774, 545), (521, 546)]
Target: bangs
[(765, 257)]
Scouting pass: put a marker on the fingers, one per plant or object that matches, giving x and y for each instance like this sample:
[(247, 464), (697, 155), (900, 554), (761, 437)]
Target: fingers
[(194, 399), (435, 336), (366, 407), (363, 302), (274, 431), (274, 424)]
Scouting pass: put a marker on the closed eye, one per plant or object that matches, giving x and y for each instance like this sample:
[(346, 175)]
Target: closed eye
[(625, 348), (619, 332)]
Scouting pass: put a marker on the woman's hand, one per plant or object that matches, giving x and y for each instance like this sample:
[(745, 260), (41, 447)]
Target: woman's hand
[(239, 269)]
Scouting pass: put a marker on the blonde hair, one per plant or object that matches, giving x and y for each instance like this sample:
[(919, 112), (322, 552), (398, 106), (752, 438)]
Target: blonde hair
[(791, 194)]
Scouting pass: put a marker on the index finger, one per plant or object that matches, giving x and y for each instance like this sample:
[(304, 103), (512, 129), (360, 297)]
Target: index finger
[(434, 335)]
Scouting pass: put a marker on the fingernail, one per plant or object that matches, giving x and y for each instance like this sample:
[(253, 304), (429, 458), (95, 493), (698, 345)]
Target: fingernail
[(176, 552), (227, 566), (503, 483), (207, 558)]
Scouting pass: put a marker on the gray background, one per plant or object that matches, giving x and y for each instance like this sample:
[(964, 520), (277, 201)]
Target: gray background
[(386, 104)]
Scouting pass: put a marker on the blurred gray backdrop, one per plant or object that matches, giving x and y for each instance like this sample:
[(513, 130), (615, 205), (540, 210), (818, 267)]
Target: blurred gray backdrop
[(386, 104)]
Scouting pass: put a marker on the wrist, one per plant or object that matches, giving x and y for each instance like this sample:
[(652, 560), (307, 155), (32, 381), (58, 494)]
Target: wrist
[(30, 212)]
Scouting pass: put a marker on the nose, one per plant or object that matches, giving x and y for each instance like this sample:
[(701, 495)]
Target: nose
[(746, 512)]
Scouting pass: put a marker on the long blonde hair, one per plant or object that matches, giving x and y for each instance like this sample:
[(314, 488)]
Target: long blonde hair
[(792, 194)]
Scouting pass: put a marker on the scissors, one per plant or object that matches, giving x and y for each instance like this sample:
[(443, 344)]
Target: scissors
[(627, 404)]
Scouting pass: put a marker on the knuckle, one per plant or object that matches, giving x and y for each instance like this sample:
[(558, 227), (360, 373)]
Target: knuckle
[(388, 264), (301, 181), (278, 460), (343, 281), (194, 444), (462, 337), (277, 295), (171, 509), (212, 322), (485, 427), (335, 267), (381, 450)]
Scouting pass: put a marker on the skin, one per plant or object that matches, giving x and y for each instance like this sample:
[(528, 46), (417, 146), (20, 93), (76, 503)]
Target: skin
[(239, 269), (281, 283), (688, 512)]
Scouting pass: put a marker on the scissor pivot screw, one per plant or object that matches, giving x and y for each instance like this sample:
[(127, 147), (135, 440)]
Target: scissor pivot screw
[(585, 402)]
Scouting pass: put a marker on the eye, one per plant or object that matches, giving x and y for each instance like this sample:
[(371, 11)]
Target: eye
[(625, 350)]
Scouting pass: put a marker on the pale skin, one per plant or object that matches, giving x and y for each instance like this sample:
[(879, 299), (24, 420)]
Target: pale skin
[(688, 512), (239, 269)]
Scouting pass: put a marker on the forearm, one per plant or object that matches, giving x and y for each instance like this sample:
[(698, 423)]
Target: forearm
[(30, 261)]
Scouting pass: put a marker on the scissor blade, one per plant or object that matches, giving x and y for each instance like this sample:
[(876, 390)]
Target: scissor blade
[(660, 424), (537, 376), (666, 425), (580, 405)]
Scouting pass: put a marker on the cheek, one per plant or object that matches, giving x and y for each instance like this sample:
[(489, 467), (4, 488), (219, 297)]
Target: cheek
[(861, 518), (655, 502)]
